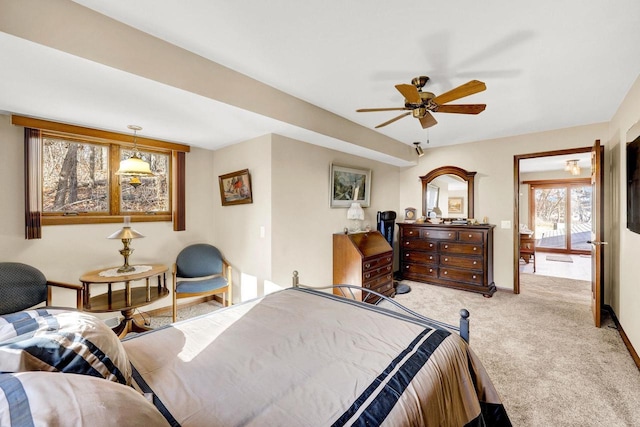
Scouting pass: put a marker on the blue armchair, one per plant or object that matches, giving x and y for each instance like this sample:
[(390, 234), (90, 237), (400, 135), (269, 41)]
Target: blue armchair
[(23, 286), (201, 270)]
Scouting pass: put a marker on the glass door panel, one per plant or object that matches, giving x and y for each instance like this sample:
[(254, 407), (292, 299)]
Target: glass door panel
[(580, 218), (550, 218)]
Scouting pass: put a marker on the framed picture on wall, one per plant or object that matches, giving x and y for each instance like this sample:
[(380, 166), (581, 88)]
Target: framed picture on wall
[(235, 188), (348, 185), (455, 205)]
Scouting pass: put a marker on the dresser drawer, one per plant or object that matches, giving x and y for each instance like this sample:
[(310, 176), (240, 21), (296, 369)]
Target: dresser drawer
[(373, 263), (421, 257), (430, 233), (420, 245), (460, 248), (372, 274), (471, 236), (420, 269), (460, 275), (409, 232), (471, 263)]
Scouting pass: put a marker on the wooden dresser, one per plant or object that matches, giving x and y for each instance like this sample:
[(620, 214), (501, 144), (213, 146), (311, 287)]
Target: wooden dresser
[(457, 256), (363, 259)]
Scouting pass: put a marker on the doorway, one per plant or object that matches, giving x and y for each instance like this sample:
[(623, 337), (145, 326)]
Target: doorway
[(553, 208)]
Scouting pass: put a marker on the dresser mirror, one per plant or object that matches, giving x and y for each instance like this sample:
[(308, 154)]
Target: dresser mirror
[(447, 192)]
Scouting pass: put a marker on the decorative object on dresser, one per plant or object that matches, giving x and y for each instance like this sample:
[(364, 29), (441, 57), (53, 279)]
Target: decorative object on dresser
[(355, 215), (363, 259), (456, 256), (410, 214)]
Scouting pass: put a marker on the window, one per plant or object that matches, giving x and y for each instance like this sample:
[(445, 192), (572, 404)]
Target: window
[(70, 177), (75, 180)]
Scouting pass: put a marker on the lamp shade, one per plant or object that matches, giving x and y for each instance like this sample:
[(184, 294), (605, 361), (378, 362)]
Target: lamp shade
[(355, 212), (125, 233), (134, 166)]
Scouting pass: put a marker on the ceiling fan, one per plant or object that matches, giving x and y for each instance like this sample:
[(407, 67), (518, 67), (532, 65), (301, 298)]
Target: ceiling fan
[(421, 104)]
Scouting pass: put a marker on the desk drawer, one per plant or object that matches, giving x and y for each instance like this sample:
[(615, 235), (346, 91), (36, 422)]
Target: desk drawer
[(372, 274), (373, 263), (376, 283)]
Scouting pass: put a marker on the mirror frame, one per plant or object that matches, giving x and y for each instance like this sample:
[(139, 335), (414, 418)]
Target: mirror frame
[(449, 170)]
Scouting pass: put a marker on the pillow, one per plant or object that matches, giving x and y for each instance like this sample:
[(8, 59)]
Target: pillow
[(64, 341), (48, 398)]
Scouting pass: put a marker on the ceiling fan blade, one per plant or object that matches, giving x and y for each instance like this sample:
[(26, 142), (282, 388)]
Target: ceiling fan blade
[(428, 120), (393, 120), (461, 108), (410, 93), (469, 88), (368, 110)]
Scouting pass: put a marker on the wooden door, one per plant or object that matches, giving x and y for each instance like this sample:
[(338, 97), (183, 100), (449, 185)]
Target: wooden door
[(597, 235)]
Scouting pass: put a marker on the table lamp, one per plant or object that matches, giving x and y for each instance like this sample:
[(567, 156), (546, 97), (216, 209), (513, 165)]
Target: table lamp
[(126, 233)]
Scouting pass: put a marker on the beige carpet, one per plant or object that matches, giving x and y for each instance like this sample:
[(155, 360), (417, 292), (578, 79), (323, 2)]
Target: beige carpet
[(550, 365)]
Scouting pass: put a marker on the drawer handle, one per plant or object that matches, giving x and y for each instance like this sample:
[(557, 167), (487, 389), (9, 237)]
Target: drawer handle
[(446, 246), (475, 262), (446, 272), (449, 234), (427, 233), (407, 255), (367, 276), (388, 268), (430, 245), (388, 259), (430, 256), (388, 276), (469, 235), (406, 243), (446, 260), (475, 249), (367, 265), (406, 267), (431, 270), (411, 232), (474, 276)]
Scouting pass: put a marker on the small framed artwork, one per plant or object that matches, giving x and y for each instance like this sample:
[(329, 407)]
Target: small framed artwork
[(349, 185), (235, 188), (410, 214), (455, 205)]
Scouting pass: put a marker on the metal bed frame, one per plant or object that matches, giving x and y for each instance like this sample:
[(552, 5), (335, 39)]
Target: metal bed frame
[(372, 297)]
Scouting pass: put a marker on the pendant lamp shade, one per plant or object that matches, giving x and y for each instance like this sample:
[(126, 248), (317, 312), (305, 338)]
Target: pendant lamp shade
[(134, 165)]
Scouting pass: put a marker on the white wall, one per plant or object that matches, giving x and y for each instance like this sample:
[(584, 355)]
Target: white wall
[(303, 221), (237, 227), (624, 244), (494, 192)]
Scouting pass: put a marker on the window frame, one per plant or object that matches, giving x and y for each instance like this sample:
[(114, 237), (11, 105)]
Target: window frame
[(115, 141)]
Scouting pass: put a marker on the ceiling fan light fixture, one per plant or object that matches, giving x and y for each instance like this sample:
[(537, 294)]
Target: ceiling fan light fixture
[(419, 149)]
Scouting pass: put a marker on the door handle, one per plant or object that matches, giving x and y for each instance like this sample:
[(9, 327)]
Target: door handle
[(597, 243)]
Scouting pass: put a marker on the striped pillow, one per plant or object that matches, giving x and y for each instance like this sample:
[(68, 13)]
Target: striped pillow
[(53, 399), (62, 341)]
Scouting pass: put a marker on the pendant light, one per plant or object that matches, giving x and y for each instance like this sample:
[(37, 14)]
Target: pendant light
[(134, 166)]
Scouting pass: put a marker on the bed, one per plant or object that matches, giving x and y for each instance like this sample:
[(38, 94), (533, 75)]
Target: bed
[(296, 357)]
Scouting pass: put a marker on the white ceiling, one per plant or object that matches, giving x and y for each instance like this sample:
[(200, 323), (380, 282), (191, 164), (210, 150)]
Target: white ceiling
[(547, 65)]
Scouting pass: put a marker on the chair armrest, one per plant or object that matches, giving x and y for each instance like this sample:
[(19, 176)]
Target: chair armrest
[(74, 286)]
